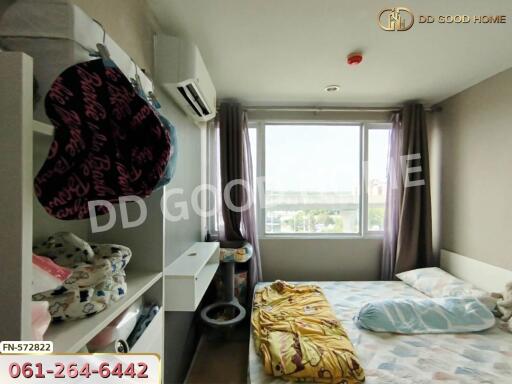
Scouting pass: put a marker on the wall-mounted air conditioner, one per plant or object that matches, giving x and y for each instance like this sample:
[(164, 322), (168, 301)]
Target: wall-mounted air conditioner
[(181, 72)]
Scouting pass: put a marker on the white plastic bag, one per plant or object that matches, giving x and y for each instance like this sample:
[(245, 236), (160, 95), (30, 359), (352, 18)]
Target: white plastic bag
[(41, 319), (46, 275)]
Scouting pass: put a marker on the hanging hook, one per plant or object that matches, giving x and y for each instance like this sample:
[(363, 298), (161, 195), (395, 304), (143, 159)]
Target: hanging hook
[(154, 100), (103, 29), (102, 48), (137, 84)]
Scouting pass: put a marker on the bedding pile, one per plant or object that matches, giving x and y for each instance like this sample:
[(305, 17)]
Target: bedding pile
[(450, 358), (504, 306), (299, 338)]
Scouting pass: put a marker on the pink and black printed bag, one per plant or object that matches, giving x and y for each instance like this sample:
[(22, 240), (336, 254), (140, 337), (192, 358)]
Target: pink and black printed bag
[(108, 143)]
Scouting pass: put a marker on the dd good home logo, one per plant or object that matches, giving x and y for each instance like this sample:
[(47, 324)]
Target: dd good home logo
[(396, 19)]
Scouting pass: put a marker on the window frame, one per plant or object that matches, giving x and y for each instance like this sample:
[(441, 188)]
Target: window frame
[(364, 127)]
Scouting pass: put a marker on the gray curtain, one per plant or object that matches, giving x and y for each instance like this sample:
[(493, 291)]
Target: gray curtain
[(236, 164), (408, 218), (232, 157)]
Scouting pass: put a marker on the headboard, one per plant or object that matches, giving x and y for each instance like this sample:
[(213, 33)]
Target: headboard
[(482, 275)]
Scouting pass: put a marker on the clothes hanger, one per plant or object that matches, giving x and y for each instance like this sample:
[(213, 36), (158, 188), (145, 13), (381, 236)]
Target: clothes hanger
[(102, 50)]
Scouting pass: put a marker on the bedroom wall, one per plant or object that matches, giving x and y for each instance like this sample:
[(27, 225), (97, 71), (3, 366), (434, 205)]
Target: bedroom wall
[(180, 331), (477, 170), (128, 22), (435, 157), (320, 259)]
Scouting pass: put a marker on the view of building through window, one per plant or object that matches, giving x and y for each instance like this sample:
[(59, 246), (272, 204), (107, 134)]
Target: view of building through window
[(313, 178), (378, 148)]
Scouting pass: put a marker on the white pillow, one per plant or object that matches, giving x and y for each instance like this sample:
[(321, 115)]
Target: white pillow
[(436, 283)]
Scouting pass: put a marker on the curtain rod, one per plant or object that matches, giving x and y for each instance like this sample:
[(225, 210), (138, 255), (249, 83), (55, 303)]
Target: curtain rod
[(332, 109)]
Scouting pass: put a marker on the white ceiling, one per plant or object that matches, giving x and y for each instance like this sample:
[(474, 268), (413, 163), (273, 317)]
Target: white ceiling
[(284, 52)]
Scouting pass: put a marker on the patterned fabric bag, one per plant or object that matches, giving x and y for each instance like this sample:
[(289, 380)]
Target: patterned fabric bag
[(93, 285), (109, 142)]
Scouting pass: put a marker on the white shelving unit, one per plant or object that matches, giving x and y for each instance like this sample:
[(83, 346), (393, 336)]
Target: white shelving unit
[(42, 128), (24, 145), (73, 335), (188, 277)]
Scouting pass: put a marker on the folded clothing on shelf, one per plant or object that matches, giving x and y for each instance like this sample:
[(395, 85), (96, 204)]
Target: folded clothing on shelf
[(93, 285)]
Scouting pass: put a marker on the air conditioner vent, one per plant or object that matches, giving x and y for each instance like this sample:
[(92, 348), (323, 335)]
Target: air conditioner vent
[(181, 71), (195, 94), (189, 100)]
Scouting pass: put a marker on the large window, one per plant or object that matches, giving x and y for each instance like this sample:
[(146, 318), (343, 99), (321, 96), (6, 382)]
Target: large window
[(321, 179), (312, 179)]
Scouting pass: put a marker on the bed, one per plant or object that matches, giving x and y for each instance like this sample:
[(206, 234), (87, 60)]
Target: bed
[(484, 357)]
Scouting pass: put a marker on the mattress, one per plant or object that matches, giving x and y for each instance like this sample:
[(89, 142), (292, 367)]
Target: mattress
[(484, 357)]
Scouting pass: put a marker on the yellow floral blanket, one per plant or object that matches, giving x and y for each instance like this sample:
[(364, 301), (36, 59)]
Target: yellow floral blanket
[(299, 338)]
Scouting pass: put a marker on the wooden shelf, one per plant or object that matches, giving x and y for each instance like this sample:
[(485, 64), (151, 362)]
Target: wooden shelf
[(42, 128), (73, 335)]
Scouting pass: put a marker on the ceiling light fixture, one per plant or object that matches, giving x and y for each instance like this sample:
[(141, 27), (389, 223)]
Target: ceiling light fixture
[(332, 88)]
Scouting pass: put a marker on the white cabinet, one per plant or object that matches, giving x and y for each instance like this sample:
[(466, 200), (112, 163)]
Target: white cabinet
[(188, 277)]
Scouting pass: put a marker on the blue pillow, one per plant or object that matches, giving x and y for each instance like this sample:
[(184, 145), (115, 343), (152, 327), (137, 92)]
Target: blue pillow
[(411, 316)]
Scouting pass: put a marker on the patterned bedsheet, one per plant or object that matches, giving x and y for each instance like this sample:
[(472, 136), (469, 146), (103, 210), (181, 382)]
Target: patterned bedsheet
[(484, 357)]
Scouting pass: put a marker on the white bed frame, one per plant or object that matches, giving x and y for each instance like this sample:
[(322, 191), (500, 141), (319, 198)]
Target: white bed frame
[(480, 274)]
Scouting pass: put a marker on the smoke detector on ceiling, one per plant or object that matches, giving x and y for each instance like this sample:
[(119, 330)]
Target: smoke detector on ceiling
[(355, 58)]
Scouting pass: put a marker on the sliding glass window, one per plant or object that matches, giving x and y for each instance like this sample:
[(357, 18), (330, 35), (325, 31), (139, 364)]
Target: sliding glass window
[(320, 179), (376, 181)]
